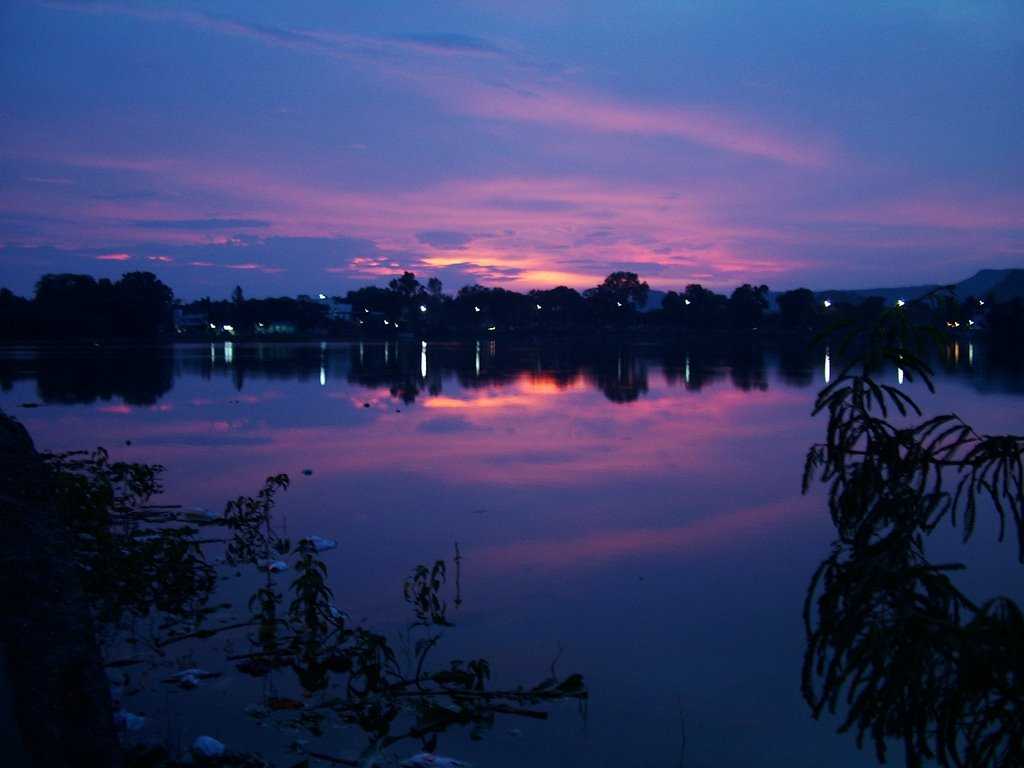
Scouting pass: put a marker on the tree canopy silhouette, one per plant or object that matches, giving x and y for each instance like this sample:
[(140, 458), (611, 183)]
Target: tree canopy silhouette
[(892, 643)]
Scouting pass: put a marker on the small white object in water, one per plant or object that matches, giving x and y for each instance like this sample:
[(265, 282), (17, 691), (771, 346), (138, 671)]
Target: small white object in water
[(207, 746), (189, 678), (427, 760), (129, 721), (320, 544)]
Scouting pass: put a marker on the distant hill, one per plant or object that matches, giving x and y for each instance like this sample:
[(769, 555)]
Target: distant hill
[(985, 282), (999, 284), (1009, 284)]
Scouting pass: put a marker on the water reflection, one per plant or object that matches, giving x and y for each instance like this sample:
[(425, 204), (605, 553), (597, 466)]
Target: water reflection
[(648, 488), (138, 376), (141, 376)]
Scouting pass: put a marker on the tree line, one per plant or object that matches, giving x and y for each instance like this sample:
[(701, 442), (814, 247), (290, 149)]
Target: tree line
[(139, 305)]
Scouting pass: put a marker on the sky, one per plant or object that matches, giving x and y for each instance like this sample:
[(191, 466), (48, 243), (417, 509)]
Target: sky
[(318, 145)]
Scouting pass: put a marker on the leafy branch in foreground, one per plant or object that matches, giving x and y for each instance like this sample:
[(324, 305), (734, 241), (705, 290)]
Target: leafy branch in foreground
[(891, 641), (144, 564)]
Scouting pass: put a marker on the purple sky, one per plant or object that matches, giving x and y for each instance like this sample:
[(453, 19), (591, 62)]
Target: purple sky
[(307, 146)]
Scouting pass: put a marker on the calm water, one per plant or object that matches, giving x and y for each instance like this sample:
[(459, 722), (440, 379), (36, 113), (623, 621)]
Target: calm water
[(636, 508)]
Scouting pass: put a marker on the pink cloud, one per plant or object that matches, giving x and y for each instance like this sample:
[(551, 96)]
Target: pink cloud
[(114, 257), (701, 125), (118, 409), (535, 231), (252, 266)]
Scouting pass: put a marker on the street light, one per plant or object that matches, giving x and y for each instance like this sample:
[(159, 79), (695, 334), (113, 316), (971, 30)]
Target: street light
[(538, 306), (900, 303), (476, 309), (321, 296), (687, 302), (423, 307), (827, 303)]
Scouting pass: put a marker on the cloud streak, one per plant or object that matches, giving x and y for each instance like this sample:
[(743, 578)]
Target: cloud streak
[(590, 112), (522, 98), (201, 224)]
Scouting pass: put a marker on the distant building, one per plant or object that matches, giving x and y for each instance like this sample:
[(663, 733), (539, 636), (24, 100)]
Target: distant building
[(338, 309), (187, 320), (275, 328)]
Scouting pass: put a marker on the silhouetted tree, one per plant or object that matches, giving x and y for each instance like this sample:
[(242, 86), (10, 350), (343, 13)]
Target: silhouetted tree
[(798, 308), (747, 305), (893, 645), (624, 288), (406, 286), (18, 319), (143, 304), (69, 306), (560, 306), (618, 298), (700, 308)]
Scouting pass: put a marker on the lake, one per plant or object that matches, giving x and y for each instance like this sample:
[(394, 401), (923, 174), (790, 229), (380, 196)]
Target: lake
[(633, 510)]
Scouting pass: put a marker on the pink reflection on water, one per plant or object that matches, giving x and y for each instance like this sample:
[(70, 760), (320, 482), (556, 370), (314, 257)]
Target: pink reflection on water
[(536, 432), (699, 537)]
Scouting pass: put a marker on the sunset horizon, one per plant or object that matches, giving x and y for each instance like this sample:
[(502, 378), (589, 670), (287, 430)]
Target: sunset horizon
[(289, 151)]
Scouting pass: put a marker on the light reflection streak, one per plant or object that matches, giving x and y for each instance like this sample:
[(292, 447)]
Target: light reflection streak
[(229, 352)]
